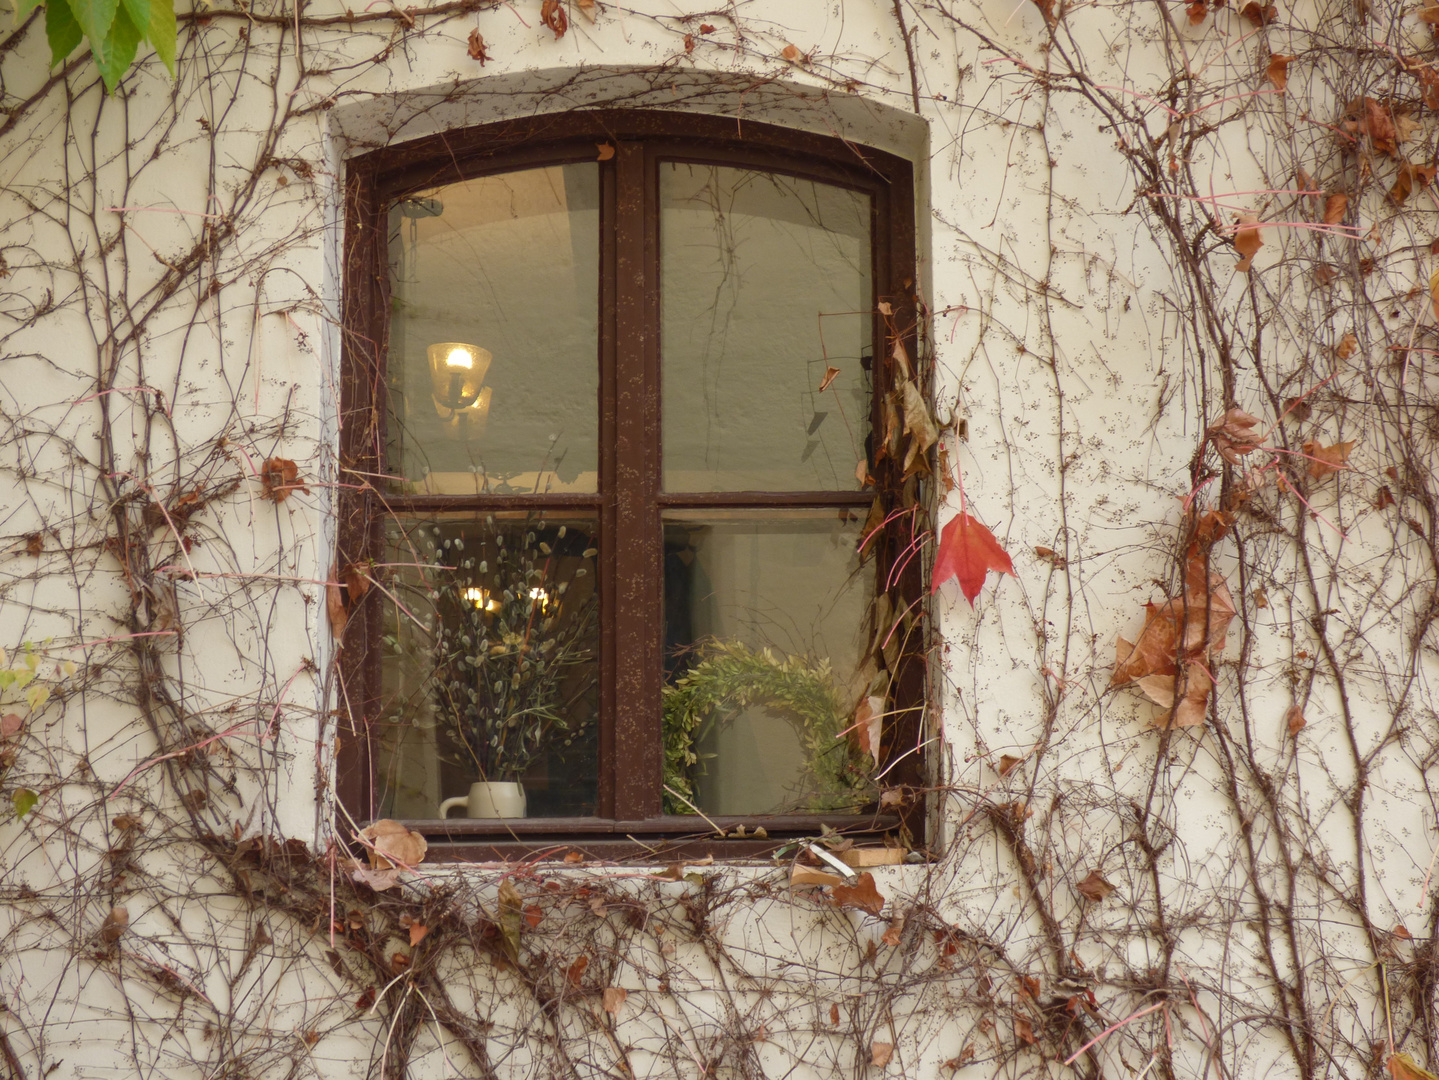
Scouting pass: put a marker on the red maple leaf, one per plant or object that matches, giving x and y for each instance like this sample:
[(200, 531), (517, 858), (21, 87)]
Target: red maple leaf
[(968, 551)]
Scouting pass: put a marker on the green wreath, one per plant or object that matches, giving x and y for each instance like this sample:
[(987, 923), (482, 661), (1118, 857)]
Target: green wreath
[(728, 678)]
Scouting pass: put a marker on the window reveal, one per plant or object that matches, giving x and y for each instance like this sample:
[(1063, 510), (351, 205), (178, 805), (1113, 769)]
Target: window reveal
[(619, 517)]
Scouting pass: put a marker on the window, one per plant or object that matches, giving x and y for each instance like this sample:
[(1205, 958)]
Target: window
[(611, 439)]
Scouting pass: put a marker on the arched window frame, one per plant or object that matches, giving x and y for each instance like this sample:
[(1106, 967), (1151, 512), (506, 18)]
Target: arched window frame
[(630, 820)]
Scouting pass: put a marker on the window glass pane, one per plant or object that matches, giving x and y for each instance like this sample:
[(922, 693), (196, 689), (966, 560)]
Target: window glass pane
[(764, 285), (508, 266), (491, 662), (763, 615)]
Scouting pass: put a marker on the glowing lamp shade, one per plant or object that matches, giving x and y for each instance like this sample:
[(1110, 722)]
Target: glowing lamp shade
[(457, 373)]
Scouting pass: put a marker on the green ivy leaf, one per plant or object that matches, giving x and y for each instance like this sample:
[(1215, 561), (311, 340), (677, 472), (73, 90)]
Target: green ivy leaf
[(162, 32), (139, 12), (24, 799), (62, 30), (119, 50), (22, 11), (95, 17)]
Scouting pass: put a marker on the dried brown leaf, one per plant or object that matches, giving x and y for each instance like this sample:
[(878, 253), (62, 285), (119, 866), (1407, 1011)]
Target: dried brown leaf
[(417, 933), (1347, 346), (792, 54), (477, 48), (575, 973), (1327, 460), (1334, 207), (614, 999), (1007, 762), (390, 845), (1247, 241), (1278, 71), (868, 718), (862, 895), (1294, 721), (335, 605), (1411, 178), (606, 151), (829, 376), (1094, 887), (1367, 117), (279, 477), (880, 1053), (1233, 435), (11, 724), (552, 15), (114, 925), (1259, 15)]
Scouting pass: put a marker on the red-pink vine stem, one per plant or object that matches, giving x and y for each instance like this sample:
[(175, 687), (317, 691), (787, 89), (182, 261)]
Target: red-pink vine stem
[(1114, 1027)]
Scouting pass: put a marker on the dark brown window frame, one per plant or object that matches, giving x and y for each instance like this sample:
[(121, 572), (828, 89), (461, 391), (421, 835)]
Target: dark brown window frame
[(630, 821)]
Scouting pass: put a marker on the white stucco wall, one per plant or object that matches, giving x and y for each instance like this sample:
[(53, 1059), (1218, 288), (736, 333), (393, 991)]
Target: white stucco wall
[(1057, 335)]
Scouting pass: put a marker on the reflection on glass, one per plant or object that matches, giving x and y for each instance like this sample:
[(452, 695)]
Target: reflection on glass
[(764, 286), (495, 281), (763, 611), (491, 662)]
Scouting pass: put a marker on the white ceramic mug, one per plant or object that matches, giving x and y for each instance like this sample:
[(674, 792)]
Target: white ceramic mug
[(489, 799)]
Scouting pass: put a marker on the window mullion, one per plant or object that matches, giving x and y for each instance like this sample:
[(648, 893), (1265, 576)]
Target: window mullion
[(635, 542)]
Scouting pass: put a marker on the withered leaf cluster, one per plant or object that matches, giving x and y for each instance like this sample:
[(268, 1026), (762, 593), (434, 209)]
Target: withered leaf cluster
[(1171, 659)]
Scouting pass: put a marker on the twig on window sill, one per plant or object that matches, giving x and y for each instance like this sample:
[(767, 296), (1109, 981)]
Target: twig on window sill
[(695, 808)]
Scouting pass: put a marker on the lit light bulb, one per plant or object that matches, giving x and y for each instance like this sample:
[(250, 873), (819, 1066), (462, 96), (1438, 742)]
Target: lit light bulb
[(540, 597), (481, 599), (460, 358)]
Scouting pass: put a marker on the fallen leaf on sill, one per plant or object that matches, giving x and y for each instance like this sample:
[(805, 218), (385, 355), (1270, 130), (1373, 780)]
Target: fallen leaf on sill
[(863, 896), (391, 846), (379, 880)]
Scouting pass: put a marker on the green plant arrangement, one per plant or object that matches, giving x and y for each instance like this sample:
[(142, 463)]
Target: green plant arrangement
[(514, 646), (729, 677)]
